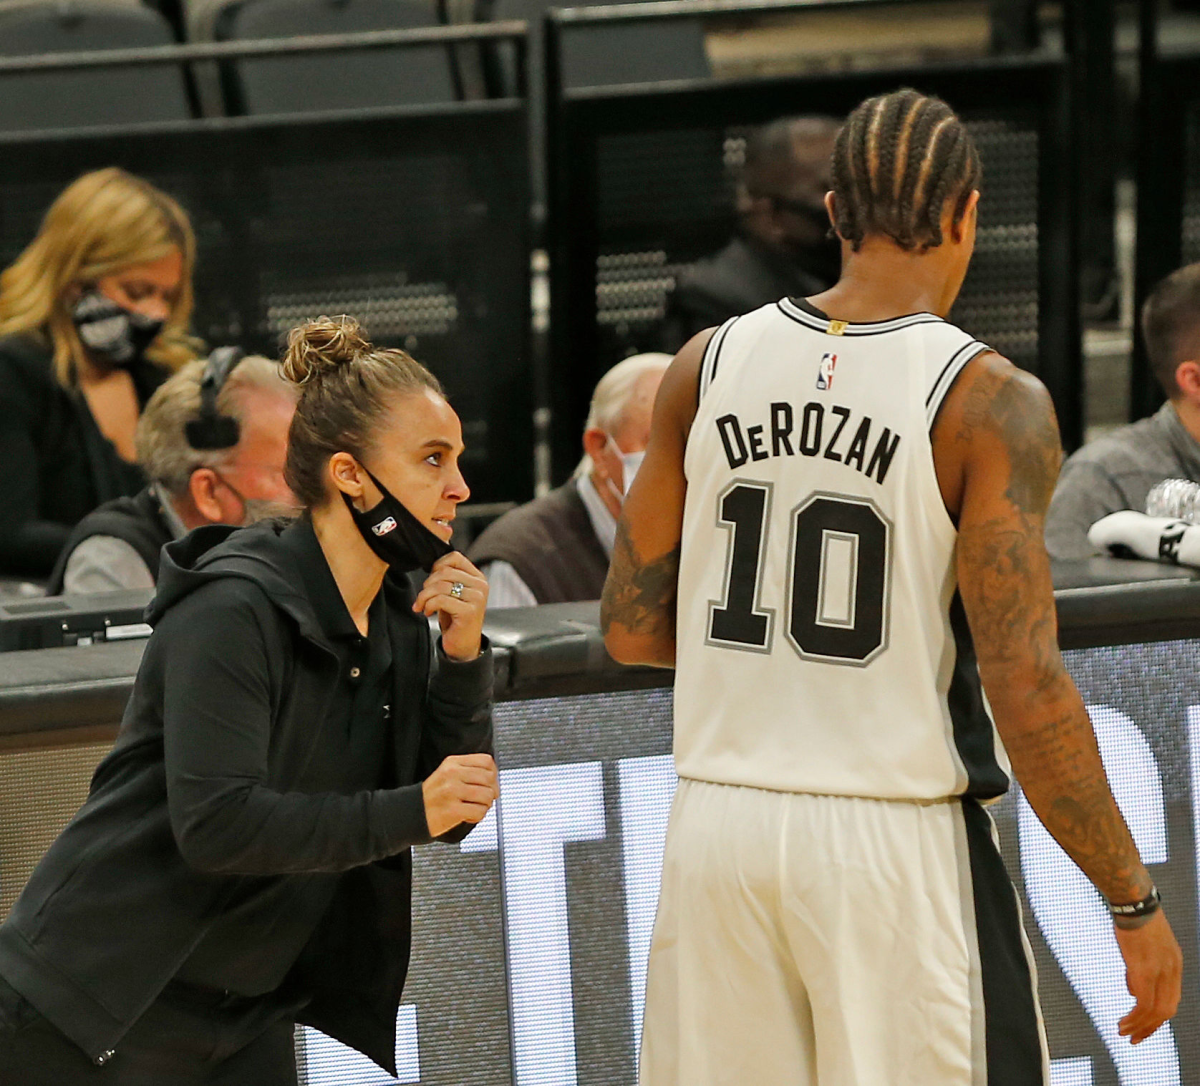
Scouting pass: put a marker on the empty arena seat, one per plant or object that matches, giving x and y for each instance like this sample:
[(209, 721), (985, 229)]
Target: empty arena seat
[(607, 54), (418, 75), (95, 96)]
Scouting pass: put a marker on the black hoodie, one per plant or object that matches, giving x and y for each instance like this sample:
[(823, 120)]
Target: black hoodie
[(225, 788)]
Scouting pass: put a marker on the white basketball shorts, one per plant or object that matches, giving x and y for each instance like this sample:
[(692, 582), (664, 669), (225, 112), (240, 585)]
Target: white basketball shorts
[(804, 939)]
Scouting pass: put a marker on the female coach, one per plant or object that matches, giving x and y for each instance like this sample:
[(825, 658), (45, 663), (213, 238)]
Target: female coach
[(241, 862)]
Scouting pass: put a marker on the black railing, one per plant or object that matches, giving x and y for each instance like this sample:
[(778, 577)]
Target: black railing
[(1168, 180), (512, 30), (415, 218)]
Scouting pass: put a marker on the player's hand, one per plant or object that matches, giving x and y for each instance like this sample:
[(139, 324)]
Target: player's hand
[(460, 615), (461, 789), (1153, 974)]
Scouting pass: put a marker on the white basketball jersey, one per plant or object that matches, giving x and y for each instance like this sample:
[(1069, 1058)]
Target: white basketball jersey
[(822, 646)]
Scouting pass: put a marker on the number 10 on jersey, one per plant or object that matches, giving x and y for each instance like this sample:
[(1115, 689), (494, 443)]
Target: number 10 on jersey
[(838, 576)]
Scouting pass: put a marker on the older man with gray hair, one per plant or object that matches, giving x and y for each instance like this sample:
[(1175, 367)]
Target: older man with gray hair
[(556, 548), (212, 441)]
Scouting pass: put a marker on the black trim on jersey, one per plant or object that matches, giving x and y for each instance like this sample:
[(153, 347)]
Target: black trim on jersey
[(946, 368), (974, 736), (711, 356), (810, 316), (1010, 1016), (951, 371), (716, 355), (805, 306)]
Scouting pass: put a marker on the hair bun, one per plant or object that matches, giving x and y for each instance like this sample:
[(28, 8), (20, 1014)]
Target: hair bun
[(321, 346)]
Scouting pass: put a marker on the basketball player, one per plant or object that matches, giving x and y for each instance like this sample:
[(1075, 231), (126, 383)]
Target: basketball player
[(835, 535)]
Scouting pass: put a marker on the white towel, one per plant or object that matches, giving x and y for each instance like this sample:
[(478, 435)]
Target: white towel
[(1131, 534)]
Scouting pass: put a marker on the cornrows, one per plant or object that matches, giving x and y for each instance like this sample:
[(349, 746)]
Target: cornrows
[(897, 161)]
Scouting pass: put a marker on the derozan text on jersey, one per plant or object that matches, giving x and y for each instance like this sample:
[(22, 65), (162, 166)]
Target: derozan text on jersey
[(825, 432)]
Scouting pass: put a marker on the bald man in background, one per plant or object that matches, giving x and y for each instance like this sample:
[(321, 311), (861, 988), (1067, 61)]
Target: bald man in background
[(782, 247), (556, 548)]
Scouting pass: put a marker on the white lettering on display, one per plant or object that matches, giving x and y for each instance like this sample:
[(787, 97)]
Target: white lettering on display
[(1074, 1071), (1073, 918), (483, 838), (1193, 732), (544, 808), (539, 811), (647, 786)]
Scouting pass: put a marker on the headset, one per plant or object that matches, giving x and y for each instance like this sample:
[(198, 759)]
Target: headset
[(210, 429)]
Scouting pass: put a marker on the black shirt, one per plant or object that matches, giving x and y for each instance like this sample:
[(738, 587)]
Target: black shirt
[(58, 465), (254, 943), (741, 277), (229, 785)]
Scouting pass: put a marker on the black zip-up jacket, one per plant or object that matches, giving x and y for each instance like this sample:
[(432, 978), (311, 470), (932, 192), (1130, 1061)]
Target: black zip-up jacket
[(224, 784)]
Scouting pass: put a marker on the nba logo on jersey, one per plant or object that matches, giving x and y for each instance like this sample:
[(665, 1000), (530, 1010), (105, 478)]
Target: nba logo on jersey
[(825, 371)]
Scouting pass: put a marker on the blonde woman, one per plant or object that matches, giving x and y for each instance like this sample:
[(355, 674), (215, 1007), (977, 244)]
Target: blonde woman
[(93, 318)]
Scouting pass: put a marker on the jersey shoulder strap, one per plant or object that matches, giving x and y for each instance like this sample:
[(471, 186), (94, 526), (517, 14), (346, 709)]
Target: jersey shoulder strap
[(948, 349), (712, 355)]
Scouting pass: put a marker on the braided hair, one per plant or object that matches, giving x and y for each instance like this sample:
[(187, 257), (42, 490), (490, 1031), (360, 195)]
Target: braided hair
[(898, 159)]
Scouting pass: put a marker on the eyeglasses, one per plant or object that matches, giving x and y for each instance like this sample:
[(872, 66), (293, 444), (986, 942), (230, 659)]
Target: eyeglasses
[(229, 486)]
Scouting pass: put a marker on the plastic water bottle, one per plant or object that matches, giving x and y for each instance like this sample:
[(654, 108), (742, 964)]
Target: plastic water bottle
[(1177, 498)]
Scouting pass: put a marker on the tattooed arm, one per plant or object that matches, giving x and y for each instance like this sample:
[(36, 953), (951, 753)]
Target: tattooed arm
[(1010, 464), (997, 450), (637, 610)]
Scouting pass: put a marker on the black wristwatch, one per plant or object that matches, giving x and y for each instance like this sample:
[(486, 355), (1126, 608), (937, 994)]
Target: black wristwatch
[(1137, 909)]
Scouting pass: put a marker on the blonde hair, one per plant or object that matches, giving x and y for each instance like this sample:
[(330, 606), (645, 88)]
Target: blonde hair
[(613, 393), (162, 446), (347, 386), (103, 222)]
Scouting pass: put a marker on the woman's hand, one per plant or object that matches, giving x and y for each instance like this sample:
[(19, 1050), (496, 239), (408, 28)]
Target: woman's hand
[(460, 790), (457, 593)]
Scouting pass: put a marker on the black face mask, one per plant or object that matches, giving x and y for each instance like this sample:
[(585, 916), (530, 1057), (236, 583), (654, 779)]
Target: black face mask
[(395, 535), (821, 256), (111, 332)]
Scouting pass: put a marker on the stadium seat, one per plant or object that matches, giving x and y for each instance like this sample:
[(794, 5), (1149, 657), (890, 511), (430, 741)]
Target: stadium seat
[(97, 96), (304, 83), (601, 55)]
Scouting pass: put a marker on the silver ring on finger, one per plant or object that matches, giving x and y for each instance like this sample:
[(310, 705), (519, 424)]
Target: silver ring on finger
[(456, 590)]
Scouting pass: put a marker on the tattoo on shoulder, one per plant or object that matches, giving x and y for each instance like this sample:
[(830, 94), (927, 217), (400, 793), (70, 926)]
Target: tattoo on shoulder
[(640, 596), (1013, 406), (1003, 565)]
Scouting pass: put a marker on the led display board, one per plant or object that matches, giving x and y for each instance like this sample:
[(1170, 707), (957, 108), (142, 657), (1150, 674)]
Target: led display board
[(531, 937)]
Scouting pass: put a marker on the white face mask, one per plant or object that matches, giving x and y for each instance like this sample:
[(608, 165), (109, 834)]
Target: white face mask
[(630, 463)]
